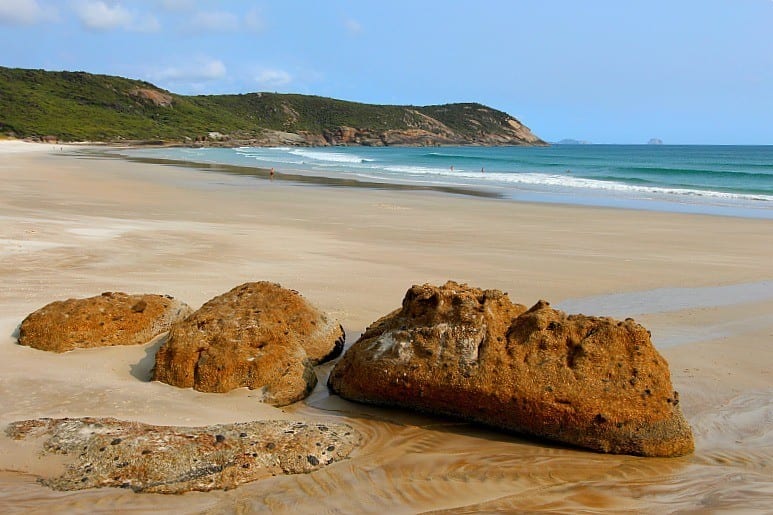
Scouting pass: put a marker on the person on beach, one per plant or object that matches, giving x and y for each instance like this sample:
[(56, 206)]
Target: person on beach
[(271, 174)]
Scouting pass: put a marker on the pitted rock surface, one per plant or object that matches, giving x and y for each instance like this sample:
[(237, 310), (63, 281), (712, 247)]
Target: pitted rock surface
[(455, 350), (113, 318), (106, 452), (258, 335)]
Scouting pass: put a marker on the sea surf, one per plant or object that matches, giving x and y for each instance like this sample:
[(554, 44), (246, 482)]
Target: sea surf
[(720, 180)]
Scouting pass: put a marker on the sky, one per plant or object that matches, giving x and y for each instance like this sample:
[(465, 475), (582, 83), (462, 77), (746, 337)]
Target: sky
[(684, 71)]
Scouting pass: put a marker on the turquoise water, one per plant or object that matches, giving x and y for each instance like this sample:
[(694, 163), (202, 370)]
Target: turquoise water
[(729, 180)]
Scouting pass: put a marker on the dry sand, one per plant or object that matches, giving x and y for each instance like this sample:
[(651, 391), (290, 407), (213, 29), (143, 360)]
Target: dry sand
[(74, 227)]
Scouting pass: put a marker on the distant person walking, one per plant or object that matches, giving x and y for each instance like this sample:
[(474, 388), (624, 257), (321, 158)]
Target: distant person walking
[(271, 174)]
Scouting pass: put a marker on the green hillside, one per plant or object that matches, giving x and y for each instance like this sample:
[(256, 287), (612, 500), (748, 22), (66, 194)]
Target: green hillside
[(79, 106)]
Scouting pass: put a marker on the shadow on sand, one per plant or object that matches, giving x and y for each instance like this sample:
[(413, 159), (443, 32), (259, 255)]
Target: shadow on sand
[(16, 332), (143, 369)]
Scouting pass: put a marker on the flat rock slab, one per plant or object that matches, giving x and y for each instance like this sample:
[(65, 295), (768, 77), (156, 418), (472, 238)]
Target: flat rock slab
[(113, 318), (455, 350), (162, 459)]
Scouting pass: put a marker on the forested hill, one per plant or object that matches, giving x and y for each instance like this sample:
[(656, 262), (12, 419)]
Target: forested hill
[(79, 106)]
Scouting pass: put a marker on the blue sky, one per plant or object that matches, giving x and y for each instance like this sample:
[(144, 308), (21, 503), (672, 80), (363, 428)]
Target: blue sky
[(685, 71)]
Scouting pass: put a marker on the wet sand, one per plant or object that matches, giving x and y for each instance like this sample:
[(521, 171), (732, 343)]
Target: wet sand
[(73, 227)]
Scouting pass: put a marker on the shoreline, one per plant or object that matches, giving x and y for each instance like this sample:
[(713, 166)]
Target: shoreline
[(75, 227), (307, 177), (297, 176), (495, 185)]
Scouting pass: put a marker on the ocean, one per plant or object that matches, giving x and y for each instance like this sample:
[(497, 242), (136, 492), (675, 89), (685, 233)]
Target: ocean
[(720, 180)]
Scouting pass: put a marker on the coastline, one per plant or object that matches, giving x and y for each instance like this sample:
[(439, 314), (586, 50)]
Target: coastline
[(75, 227), (613, 176), (299, 177)]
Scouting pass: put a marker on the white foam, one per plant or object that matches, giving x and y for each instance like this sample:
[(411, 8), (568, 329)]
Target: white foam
[(335, 157), (272, 159), (565, 181), (581, 183), (416, 170)]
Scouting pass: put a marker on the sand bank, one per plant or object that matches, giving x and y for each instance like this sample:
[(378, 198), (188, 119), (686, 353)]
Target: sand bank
[(73, 227)]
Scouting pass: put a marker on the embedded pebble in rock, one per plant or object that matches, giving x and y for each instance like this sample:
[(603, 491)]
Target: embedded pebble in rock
[(107, 452)]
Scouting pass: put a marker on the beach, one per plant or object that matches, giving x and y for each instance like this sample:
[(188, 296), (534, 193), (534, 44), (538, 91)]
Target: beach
[(72, 225)]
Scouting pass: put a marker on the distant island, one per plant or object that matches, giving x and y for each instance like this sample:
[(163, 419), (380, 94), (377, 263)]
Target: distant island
[(78, 106), (655, 141)]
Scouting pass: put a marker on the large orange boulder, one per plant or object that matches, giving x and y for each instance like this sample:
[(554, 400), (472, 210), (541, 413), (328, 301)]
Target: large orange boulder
[(258, 335), (460, 351), (112, 318)]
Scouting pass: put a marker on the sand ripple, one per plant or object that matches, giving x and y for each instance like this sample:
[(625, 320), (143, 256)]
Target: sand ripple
[(410, 463)]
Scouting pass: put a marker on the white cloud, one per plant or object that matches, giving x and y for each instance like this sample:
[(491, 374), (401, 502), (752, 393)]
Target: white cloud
[(253, 21), (214, 21), (271, 78), (23, 12), (177, 5), (200, 71), (353, 26), (98, 15), (101, 15)]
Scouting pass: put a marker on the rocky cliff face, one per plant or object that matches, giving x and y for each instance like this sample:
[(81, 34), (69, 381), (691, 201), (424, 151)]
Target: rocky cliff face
[(350, 136), (425, 130), (481, 126)]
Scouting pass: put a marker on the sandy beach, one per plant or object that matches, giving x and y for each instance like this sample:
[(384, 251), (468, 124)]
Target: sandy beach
[(74, 226)]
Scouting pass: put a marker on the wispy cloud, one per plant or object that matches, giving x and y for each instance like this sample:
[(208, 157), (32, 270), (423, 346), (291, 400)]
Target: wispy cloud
[(201, 70), (352, 26), (214, 21), (24, 12), (225, 21), (254, 21), (273, 78), (101, 16), (97, 15), (176, 5)]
